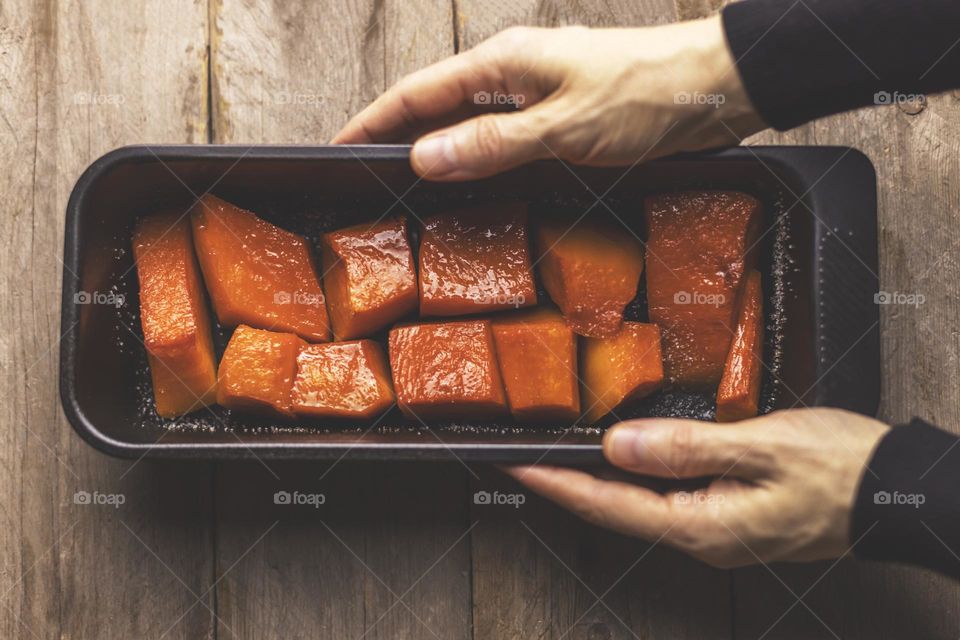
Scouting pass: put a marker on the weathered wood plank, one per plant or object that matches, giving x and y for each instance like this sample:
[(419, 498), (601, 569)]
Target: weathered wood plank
[(538, 572), (388, 554), (917, 158), (77, 79)]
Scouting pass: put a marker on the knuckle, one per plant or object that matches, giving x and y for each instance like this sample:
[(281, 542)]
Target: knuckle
[(708, 544), (592, 507), (515, 37), (487, 138), (682, 449)]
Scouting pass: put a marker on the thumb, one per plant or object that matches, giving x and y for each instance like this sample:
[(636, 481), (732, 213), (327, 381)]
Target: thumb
[(688, 448), (481, 146)]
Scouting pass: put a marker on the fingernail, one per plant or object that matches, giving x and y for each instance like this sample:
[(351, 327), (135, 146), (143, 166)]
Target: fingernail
[(625, 446), (435, 156)]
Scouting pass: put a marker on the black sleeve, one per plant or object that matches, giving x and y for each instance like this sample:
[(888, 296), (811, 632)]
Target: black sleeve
[(908, 505), (804, 59)]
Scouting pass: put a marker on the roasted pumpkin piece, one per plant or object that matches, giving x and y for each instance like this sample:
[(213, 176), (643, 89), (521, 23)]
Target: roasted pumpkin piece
[(476, 260), (700, 247), (342, 380), (620, 369), (738, 397), (258, 274), (174, 316), (591, 269), (447, 371), (369, 277), (537, 352), (257, 371)]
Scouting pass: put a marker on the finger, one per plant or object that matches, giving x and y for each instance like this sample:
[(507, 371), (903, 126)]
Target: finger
[(688, 449), (423, 96), (620, 506), (483, 146)]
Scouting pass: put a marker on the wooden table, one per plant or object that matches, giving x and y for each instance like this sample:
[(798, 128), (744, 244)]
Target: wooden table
[(398, 551)]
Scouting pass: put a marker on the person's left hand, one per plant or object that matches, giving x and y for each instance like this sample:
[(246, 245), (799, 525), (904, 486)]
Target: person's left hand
[(778, 487)]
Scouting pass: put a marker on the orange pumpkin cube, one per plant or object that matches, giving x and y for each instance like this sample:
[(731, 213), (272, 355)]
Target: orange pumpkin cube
[(447, 371), (538, 363), (700, 247), (345, 380), (257, 371), (369, 277), (620, 369), (476, 260), (258, 274), (591, 269), (173, 314), (738, 397)]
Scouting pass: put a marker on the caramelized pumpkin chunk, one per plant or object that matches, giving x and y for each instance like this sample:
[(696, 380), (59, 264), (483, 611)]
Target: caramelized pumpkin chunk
[(173, 314), (257, 273), (591, 269), (447, 371), (342, 380), (369, 277), (699, 250), (257, 371), (538, 362), (621, 369), (738, 397), (476, 260)]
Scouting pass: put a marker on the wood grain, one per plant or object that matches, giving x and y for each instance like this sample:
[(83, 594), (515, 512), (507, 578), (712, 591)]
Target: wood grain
[(76, 80), (388, 556)]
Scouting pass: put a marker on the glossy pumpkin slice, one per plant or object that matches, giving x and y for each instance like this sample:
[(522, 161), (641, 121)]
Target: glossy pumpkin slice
[(174, 316), (342, 380), (476, 260), (738, 397), (620, 369), (537, 352), (447, 371), (700, 247), (369, 277), (591, 269), (257, 273), (257, 371)]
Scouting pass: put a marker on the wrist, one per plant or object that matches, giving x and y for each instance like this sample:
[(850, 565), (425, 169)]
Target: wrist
[(720, 86)]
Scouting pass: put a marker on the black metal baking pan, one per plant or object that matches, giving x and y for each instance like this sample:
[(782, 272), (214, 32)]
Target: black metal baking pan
[(818, 257)]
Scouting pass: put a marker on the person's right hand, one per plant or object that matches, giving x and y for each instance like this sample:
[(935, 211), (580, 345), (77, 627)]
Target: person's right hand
[(588, 96), (781, 487)]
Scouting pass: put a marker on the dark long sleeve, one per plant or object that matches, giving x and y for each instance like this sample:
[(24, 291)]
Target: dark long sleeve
[(908, 505), (804, 59)]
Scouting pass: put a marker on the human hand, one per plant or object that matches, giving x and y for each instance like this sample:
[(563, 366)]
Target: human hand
[(780, 487), (588, 96)]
